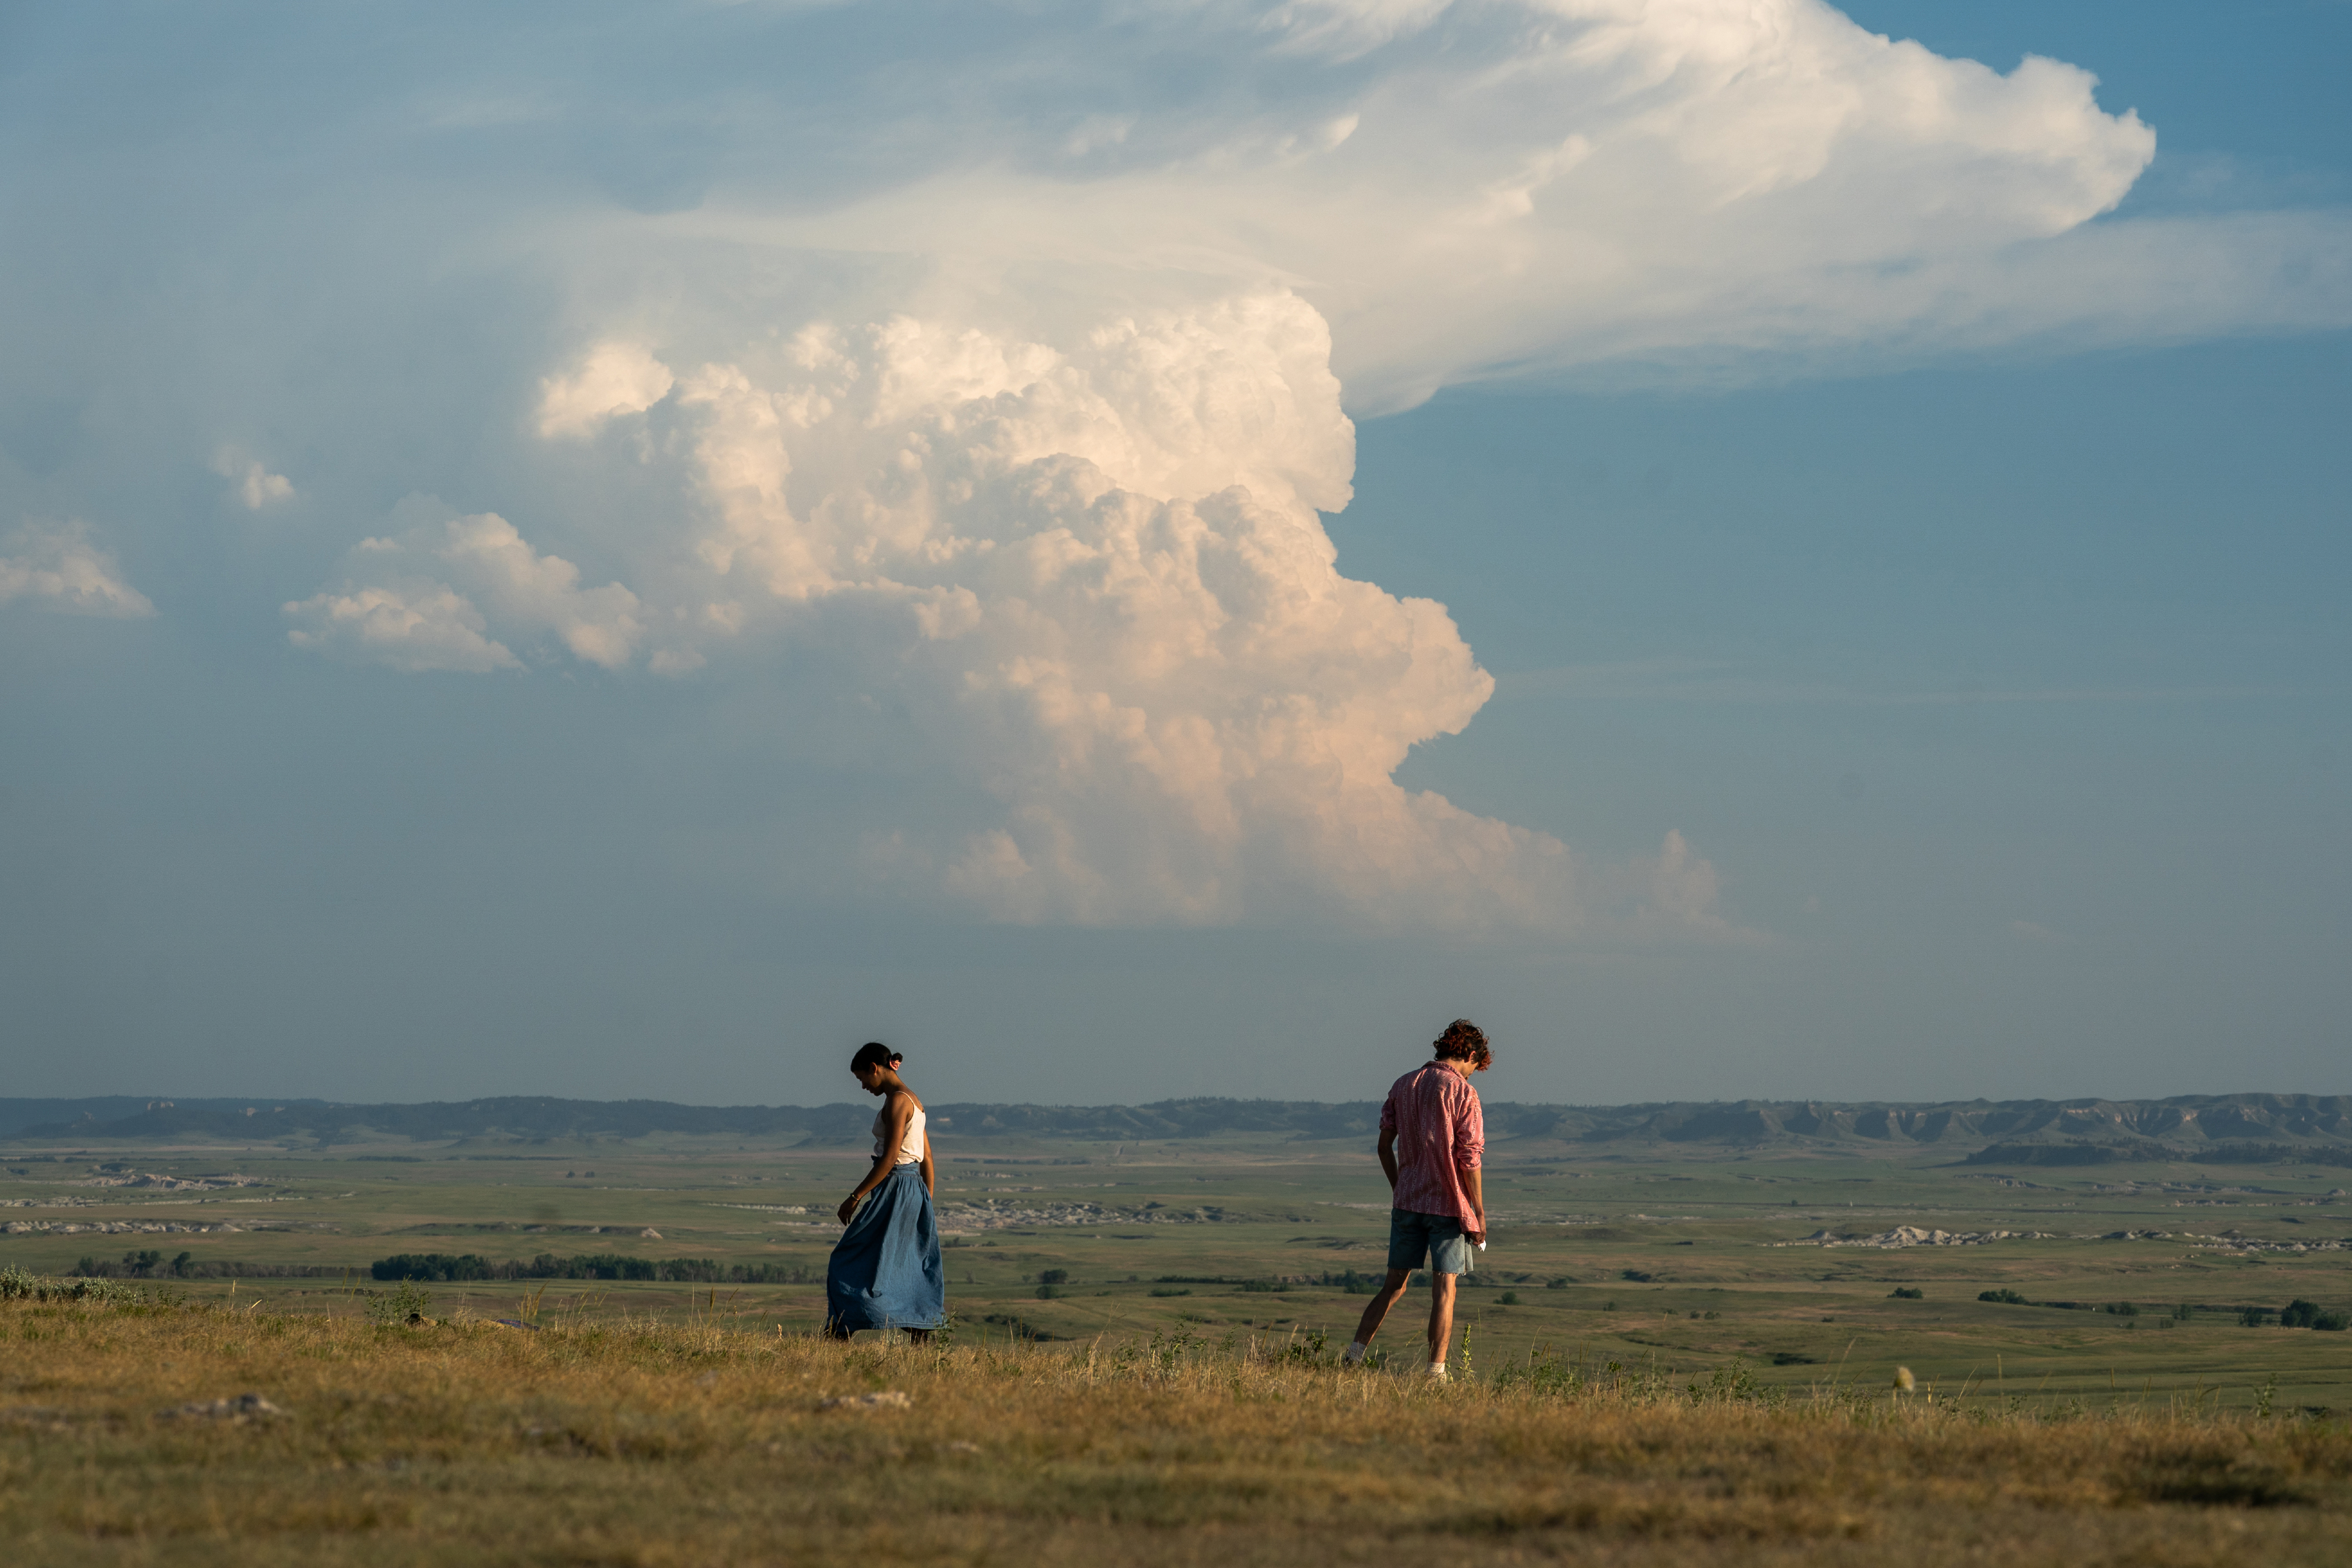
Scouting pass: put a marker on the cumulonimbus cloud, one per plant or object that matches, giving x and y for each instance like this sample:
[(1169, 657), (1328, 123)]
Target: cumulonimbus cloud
[(1056, 463)]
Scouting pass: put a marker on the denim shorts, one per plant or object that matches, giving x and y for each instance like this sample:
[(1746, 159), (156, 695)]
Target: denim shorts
[(1435, 1236)]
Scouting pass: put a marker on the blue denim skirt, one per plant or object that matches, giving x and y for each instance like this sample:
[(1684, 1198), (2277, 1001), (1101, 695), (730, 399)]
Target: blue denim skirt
[(886, 1271)]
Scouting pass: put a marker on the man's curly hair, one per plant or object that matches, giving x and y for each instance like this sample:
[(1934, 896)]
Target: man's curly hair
[(1464, 1041)]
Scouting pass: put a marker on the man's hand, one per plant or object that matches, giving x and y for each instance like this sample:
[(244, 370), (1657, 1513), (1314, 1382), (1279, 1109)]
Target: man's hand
[(1476, 1234)]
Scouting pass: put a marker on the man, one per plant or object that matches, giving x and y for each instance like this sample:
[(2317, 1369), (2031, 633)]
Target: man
[(1432, 1134)]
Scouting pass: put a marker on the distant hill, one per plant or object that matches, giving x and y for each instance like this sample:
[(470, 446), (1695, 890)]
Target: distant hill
[(2259, 1128)]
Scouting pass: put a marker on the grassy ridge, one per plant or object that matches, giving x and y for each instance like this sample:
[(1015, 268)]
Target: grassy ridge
[(631, 1441)]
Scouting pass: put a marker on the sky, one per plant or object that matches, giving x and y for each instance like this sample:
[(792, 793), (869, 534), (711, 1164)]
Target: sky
[(1171, 547)]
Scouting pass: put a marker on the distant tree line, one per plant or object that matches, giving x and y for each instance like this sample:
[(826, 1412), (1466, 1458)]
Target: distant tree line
[(456, 1267), (2296, 1314), (152, 1265)]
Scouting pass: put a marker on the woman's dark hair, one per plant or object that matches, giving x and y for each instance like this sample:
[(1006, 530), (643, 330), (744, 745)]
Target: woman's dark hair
[(1464, 1041), (874, 1053)]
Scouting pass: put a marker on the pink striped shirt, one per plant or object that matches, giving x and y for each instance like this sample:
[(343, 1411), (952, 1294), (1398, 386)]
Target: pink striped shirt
[(1441, 1133)]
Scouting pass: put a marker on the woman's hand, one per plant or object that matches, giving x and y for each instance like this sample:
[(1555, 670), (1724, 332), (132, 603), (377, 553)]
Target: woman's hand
[(849, 1207)]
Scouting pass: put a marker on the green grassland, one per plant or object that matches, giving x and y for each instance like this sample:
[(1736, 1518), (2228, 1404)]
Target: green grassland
[(1681, 1259)]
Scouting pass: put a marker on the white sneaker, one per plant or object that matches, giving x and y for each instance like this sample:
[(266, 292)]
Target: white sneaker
[(1437, 1372), (1354, 1354)]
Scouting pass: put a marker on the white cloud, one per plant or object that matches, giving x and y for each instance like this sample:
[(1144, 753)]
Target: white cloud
[(412, 621), (1531, 186), (256, 485), (599, 625), (413, 627), (62, 568), (617, 377), (1094, 572)]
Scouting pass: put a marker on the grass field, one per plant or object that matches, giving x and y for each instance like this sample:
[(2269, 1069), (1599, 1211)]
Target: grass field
[(1664, 1359)]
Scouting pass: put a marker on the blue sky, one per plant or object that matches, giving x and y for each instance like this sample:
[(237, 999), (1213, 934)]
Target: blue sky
[(612, 553)]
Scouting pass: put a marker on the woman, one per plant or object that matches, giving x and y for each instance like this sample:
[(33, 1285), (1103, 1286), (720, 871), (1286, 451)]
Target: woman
[(886, 1271)]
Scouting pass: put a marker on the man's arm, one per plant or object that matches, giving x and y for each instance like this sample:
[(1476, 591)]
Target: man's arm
[(1387, 1156), (1469, 1153)]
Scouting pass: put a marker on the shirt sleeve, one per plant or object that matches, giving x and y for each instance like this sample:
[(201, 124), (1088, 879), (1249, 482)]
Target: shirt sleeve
[(1469, 1131)]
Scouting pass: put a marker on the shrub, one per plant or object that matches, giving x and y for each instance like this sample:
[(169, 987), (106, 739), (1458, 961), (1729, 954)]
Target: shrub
[(1635, 1275), (2252, 1317), (402, 1305), (15, 1284), (1054, 1277), (2007, 1297), (1909, 1293), (1169, 1291), (1051, 1293), (1508, 1299), (2122, 1310)]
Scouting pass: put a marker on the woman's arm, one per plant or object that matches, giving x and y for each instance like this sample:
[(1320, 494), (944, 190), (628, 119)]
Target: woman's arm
[(895, 1114), (930, 1172)]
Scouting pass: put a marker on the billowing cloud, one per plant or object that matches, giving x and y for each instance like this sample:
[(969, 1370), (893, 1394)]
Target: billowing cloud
[(1095, 573), (1059, 477), (398, 610), (63, 567)]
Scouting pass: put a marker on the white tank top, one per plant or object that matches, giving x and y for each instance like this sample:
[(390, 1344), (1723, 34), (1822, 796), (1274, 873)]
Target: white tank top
[(910, 1151)]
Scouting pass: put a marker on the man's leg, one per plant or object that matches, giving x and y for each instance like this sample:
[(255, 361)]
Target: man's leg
[(1377, 1309), (1441, 1319)]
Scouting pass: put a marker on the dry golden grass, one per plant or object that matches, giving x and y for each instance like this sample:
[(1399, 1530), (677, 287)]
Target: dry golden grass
[(643, 1444)]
